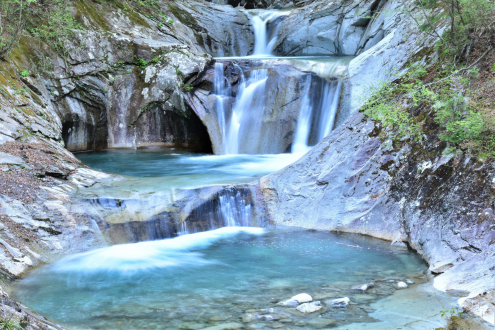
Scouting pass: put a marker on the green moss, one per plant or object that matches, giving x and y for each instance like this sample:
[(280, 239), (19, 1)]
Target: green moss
[(184, 17), (86, 9)]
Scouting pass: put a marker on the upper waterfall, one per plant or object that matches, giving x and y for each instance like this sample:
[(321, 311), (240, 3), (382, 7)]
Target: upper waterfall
[(266, 24)]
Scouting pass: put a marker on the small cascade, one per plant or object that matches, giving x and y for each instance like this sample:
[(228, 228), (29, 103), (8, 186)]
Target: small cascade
[(266, 24), (150, 216), (230, 208), (234, 209), (319, 115), (300, 144), (221, 92), (247, 111)]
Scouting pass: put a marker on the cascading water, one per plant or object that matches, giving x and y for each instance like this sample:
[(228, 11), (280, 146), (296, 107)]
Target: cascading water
[(321, 114), (265, 34), (242, 120), (247, 111)]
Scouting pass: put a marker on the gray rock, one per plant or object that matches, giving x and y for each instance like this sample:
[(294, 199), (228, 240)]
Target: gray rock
[(7, 159)]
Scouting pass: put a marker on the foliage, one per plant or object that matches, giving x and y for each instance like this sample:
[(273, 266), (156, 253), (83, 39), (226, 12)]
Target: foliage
[(9, 325), (141, 63), (465, 21), (467, 125), (53, 22), (48, 20), (13, 15), (187, 87), (454, 311), (390, 102), (25, 73), (466, 119)]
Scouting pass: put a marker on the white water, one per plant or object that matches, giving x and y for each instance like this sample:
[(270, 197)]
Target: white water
[(265, 36), (300, 144), (247, 111), (129, 258)]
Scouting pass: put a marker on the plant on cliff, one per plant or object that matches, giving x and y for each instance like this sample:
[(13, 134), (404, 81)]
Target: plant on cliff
[(8, 324), (444, 90), (13, 17), (48, 20)]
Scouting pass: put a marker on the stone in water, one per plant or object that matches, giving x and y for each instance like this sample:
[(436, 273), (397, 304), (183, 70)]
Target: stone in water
[(342, 302), (309, 307)]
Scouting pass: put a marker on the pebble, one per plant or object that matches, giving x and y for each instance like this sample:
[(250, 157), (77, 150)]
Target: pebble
[(402, 285), (342, 302)]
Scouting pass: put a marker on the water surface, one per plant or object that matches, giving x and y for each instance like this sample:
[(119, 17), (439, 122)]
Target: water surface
[(217, 277)]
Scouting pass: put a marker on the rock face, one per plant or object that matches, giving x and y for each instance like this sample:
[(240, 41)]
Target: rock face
[(334, 28)]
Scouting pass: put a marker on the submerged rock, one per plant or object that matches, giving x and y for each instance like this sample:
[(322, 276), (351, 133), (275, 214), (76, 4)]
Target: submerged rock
[(226, 326), (309, 307), (363, 287), (320, 322), (296, 300), (342, 302)]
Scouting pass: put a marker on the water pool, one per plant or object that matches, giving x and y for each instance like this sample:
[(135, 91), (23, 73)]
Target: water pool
[(229, 278)]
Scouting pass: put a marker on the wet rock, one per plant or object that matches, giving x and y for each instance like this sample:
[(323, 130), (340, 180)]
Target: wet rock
[(363, 287), (226, 326), (309, 307), (219, 318), (248, 317), (321, 322), (342, 302), (269, 317), (296, 300), (191, 326)]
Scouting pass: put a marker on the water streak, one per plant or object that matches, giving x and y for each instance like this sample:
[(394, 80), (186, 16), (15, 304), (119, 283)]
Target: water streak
[(247, 111)]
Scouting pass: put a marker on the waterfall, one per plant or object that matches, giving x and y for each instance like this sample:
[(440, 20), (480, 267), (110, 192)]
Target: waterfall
[(320, 114), (221, 94), (265, 34), (301, 138), (240, 120), (330, 104), (247, 111), (151, 216)]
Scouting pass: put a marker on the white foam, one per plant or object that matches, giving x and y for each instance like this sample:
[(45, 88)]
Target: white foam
[(151, 254)]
